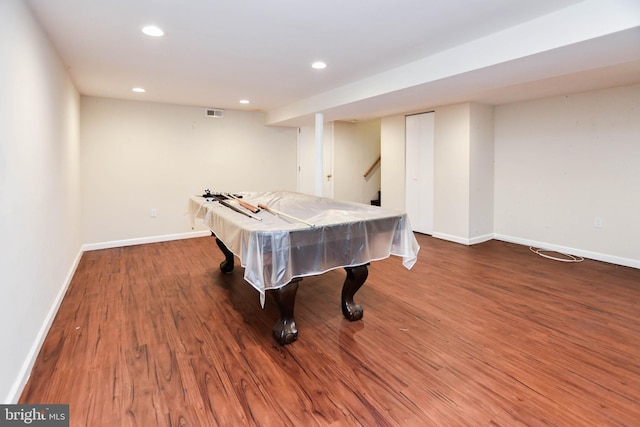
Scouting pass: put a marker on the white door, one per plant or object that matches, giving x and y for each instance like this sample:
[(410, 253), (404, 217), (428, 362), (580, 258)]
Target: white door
[(419, 137)]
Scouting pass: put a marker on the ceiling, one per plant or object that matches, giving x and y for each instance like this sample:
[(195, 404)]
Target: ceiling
[(384, 56)]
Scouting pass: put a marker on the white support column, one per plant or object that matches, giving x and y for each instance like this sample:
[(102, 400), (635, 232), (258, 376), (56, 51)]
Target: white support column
[(319, 153)]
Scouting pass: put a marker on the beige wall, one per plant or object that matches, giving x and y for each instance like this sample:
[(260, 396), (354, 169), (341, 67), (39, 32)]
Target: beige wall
[(463, 150), (356, 146), (534, 173), (138, 156), (451, 172), (39, 191), (481, 173), (561, 162), (392, 165)]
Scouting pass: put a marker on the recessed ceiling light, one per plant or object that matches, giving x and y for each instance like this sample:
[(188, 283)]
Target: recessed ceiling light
[(139, 89), (244, 101), (319, 65), (153, 31)]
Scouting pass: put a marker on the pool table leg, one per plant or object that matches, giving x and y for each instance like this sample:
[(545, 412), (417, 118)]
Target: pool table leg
[(284, 331), (226, 266), (356, 276)]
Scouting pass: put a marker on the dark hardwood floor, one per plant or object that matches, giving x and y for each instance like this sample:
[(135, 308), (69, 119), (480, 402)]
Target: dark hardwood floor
[(488, 335)]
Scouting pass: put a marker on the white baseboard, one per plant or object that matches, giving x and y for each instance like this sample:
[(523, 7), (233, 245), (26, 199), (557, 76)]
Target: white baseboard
[(612, 259), (480, 239), (628, 262), (463, 240), (143, 240), (451, 238), (27, 366)]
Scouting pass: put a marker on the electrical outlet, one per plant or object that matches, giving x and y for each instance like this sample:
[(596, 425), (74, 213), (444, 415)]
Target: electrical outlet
[(597, 222), (154, 212)]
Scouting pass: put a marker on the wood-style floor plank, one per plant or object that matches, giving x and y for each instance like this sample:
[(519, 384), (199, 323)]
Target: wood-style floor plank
[(489, 335)]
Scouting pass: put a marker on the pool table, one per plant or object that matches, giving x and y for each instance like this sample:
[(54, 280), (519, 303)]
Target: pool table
[(293, 235)]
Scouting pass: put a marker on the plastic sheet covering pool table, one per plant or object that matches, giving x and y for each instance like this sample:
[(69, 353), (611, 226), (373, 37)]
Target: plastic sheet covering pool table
[(276, 249)]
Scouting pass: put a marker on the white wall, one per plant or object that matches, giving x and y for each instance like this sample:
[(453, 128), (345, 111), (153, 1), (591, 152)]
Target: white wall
[(356, 147), (392, 165), (39, 191), (451, 173), (481, 173), (138, 156), (463, 170), (551, 166), (563, 161)]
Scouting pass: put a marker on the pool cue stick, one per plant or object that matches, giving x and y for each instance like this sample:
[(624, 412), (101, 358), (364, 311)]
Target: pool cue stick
[(276, 212), (223, 203), (244, 204)]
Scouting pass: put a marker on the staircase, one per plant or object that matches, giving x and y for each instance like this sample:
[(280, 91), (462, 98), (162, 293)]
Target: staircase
[(376, 202)]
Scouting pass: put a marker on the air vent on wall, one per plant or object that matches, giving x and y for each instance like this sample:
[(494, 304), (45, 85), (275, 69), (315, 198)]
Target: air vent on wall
[(215, 112)]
